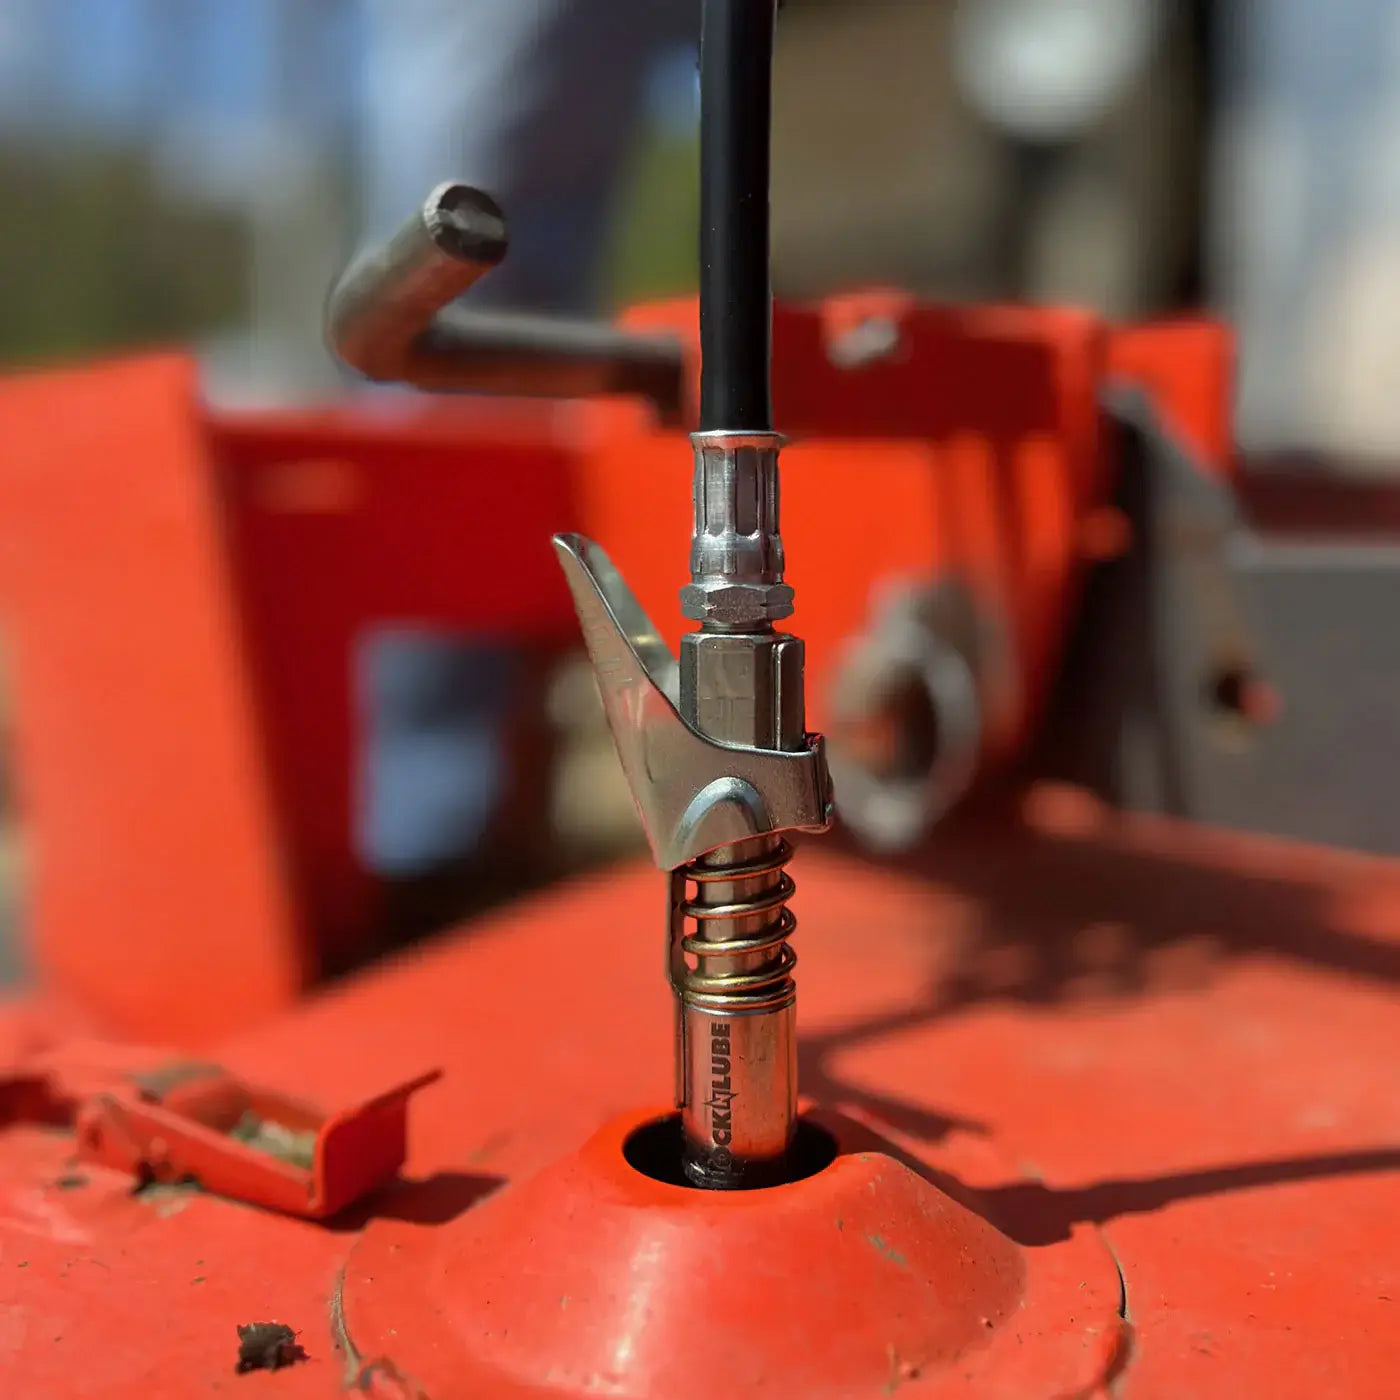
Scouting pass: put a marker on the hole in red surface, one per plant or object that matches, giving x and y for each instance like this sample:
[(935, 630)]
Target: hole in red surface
[(656, 1148), (1235, 692)]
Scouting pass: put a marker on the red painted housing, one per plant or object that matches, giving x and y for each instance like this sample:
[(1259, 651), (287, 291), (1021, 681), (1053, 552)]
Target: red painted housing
[(182, 592), (1158, 1062), (1112, 1099)]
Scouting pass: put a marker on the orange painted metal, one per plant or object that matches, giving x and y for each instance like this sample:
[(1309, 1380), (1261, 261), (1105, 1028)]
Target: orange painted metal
[(1172, 1044), (340, 522), (1148, 1066), (188, 1133), (974, 448), (165, 1121), (866, 1275), (156, 894), (971, 449), (183, 595), (1187, 368)]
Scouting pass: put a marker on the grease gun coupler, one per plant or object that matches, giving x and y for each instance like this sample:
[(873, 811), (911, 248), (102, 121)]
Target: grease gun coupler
[(715, 748)]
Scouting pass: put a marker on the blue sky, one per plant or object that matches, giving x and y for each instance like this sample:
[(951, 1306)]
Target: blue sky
[(121, 66), (127, 67)]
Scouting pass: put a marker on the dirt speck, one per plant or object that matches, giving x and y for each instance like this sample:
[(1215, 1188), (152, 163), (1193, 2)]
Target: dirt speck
[(267, 1346), (297, 1148), (900, 1370), (71, 1181), (168, 1198)]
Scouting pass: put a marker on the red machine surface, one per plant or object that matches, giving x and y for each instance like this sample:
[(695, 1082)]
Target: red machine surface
[(183, 590), (1106, 1102), (1170, 1049)]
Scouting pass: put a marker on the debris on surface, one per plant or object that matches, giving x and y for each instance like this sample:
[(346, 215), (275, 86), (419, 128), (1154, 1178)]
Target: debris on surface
[(156, 1083), (267, 1346), (286, 1144), (167, 1198)]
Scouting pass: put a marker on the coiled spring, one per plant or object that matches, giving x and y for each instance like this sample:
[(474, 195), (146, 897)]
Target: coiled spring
[(749, 971)]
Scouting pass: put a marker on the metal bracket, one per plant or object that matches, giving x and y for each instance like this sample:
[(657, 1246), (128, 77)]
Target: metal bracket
[(174, 1121), (394, 317), (693, 794)]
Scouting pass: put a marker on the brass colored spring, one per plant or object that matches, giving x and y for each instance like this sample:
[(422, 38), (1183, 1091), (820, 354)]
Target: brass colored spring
[(745, 978)]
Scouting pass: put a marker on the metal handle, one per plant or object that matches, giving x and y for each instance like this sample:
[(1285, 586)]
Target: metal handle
[(391, 318)]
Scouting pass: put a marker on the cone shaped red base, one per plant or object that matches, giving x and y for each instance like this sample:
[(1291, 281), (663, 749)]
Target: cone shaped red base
[(594, 1278)]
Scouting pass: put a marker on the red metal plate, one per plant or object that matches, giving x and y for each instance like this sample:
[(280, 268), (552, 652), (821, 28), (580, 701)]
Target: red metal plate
[(1179, 1040), (861, 1279)]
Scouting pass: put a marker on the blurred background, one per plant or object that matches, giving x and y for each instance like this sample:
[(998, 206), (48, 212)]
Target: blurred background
[(198, 171)]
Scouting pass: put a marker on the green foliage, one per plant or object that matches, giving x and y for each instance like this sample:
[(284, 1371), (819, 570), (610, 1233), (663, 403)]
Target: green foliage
[(94, 256), (654, 251)]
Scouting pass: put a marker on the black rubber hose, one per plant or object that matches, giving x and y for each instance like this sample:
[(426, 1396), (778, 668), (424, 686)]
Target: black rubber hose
[(736, 311)]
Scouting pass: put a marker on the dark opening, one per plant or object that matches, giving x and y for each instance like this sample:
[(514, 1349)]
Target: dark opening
[(656, 1149), (1236, 692)]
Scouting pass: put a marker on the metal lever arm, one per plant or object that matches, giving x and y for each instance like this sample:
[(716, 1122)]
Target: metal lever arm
[(391, 318), (694, 793)]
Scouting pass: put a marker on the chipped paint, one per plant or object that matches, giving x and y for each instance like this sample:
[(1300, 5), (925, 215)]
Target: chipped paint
[(883, 1246)]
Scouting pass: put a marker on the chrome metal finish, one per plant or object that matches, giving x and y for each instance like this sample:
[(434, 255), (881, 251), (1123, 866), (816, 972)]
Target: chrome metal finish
[(716, 753), (395, 317), (736, 1002), (736, 552), (733, 975), (714, 747), (741, 683), (720, 764), (694, 793), (744, 688), (388, 297)]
